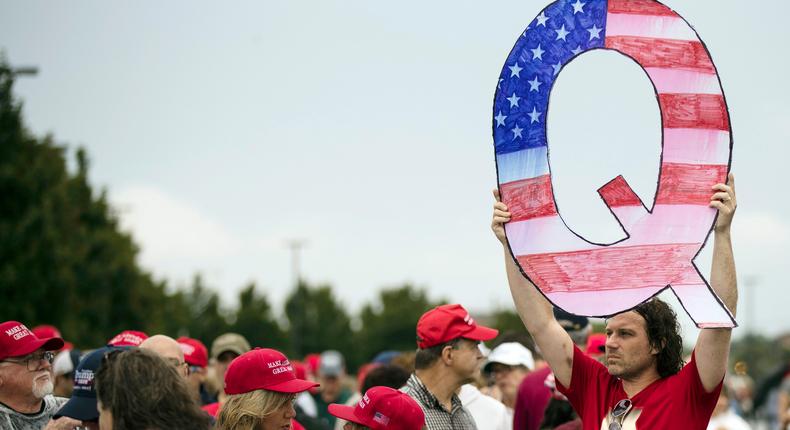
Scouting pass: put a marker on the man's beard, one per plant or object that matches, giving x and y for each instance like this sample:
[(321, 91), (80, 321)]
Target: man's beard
[(42, 385)]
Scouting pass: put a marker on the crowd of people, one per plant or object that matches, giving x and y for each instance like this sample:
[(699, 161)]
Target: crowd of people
[(561, 376)]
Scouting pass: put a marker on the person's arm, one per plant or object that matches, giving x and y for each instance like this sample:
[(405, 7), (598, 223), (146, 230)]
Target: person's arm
[(713, 344), (63, 423), (535, 311)]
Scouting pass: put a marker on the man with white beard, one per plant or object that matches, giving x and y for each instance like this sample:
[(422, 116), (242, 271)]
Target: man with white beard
[(26, 382)]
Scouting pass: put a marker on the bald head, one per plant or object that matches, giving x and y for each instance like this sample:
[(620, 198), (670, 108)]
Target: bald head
[(168, 348)]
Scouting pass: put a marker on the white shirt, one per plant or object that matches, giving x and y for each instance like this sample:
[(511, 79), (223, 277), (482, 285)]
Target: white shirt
[(728, 421), (488, 412)]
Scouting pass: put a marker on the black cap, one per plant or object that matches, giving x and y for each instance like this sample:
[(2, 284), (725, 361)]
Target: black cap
[(569, 321), (82, 404)]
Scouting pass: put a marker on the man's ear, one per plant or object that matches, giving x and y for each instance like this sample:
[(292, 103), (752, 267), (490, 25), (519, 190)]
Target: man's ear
[(654, 350), (447, 355)]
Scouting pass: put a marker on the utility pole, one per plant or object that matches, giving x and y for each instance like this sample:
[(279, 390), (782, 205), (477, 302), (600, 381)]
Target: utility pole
[(295, 245), (298, 320)]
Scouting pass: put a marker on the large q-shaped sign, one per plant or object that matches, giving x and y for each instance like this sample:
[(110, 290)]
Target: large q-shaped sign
[(661, 243)]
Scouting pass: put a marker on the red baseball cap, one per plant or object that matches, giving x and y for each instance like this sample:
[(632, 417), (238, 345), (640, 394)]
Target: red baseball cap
[(447, 322), (263, 369), (128, 338), (195, 352), (45, 330), (299, 368), (596, 344), (312, 361), (17, 340), (383, 408)]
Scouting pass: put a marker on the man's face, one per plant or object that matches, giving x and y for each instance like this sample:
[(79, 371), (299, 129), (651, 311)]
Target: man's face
[(508, 378), (628, 350), (197, 375), (331, 385), (223, 361), (467, 359), (64, 385), (29, 376)]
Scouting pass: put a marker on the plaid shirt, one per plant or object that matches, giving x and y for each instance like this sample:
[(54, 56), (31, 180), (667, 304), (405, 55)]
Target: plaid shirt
[(436, 416)]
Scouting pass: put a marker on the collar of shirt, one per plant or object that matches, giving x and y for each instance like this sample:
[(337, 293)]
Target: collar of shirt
[(428, 399)]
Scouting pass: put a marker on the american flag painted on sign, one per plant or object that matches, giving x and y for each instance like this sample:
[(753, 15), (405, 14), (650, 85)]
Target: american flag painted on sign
[(600, 280)]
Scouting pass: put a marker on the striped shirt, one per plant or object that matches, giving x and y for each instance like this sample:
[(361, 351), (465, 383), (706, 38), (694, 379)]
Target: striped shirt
[(436, 416)]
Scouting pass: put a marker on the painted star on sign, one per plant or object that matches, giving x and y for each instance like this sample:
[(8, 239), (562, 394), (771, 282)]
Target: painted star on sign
[(577, 50), (557, 67), (562, 32), (542, 18), (500, 119), (534, 115), (537, 53), (515, 70), (534, 85), (516, 131), (595, 32), (578, 7), (513, 100)]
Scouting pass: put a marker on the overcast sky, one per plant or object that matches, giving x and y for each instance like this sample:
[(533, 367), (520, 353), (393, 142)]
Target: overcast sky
[(222, 130)]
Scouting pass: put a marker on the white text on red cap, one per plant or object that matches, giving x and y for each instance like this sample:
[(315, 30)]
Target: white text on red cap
[(18, 331), (280, 366)]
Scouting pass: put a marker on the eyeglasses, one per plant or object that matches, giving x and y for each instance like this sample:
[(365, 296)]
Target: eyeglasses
[(620, 410), (175, 362), (33, 361)]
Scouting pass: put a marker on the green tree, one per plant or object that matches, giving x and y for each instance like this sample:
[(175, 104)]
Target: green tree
[(63, 259), (207, 317), (390, 323), (761, 354), (317, 322), (254, 321)]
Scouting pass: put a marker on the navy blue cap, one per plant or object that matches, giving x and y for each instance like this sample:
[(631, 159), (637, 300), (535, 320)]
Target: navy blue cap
[(569, 321), (82, 404)]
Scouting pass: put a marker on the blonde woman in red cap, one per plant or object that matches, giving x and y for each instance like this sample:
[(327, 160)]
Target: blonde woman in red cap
[(381, 408), (261, 388)]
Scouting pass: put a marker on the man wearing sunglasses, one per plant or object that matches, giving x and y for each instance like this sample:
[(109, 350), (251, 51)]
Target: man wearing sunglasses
[(26, 379), (643, 383)]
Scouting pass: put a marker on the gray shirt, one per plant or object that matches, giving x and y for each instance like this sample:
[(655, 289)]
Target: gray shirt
[(13, 420), (436, 416)]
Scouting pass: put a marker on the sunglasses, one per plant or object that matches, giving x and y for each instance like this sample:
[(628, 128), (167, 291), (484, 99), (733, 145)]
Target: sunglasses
[(33, 361), (618, 414)]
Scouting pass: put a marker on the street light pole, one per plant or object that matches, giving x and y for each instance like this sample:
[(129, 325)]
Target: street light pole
[(24, 71), (295, 245)]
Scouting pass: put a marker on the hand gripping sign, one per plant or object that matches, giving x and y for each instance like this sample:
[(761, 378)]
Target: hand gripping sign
[(592, 279)]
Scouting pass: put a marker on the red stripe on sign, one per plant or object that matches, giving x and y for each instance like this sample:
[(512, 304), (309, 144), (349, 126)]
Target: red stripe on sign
[(671, 54), (617, 192), (683, 184), (639, 7), (610, 268), (529, 198), (706, 111)]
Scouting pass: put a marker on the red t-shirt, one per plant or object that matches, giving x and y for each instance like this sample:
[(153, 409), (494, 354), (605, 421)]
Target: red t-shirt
[(531, 401), (675, 402)]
